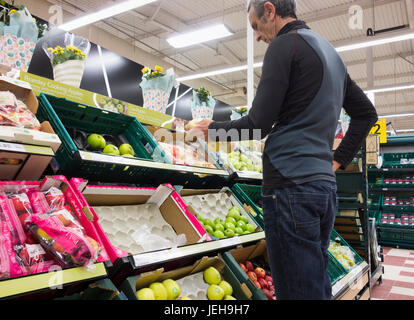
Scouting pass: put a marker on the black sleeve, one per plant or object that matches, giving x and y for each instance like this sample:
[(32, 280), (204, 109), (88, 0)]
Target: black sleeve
[(270, 94), (363, 117)]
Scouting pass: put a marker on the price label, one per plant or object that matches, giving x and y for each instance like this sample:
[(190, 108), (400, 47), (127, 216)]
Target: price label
[(380, 128), (12, 147)]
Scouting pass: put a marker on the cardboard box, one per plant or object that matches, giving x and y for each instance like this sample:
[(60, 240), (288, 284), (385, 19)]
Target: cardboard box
[(132, 284), (19, 162), (171, 206), (372, 158), (373, 143), (240, 255), (46, 136)]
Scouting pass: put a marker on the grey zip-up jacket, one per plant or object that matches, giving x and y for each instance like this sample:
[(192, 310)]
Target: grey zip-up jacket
[(304, 86)]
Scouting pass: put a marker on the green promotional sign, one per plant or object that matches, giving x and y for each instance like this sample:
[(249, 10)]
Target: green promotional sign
[(61, 90)]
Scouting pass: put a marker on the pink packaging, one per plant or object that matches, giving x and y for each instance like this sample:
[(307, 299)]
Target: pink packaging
[(38, 202), (68, 245)]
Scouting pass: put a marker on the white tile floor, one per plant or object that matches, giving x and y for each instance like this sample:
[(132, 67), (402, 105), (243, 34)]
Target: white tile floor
[(398, 277)]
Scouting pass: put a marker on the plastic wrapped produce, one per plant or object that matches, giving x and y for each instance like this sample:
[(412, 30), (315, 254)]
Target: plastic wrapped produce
[(9, 110), (26, 118), (343, 254), (64, 238)]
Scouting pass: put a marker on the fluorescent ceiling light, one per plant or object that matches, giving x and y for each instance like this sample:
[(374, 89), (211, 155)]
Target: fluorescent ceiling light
[(397, 115), (103, 14), (388, 89), (376, 42), (394, 37), (218, 72), (202, 35)]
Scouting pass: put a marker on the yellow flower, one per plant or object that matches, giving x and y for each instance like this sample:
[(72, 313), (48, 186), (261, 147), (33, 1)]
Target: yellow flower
[(12, 11), (145, 70), (50, 49), (158, 68)]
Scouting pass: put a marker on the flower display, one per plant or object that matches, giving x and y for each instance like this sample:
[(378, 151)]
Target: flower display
[(148, 74), (61, 55), (203, 94)]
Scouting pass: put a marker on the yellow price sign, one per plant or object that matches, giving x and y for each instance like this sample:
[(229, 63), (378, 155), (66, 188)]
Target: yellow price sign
[(380, 128)]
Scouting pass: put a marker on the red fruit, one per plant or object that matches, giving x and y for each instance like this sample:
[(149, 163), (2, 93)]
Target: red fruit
[(249, 265), (263, 283), (23, 218), (257, 284), (268, 294), (271, 288), (268, 279), (260, 272), (252, 276), (243, 267)]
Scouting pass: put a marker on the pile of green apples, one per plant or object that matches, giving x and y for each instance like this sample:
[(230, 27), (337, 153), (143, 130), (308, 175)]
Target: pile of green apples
[(241, 162), (97, 142), (165, 290), (234, 224), (219, 289)]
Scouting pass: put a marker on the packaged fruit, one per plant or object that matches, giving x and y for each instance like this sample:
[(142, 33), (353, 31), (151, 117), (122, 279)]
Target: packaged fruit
[(55, 199), (8, 110), (69, 245), (38, 202), (26, 118), (22, 206)]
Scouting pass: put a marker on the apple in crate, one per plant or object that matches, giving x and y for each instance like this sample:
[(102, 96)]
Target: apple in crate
[(173, 289), (96, 141), (125, 149), (111, 149)]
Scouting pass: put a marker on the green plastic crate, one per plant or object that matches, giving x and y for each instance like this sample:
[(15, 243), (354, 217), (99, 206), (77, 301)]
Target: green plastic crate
[(393, 160), (63, 114), (398, 207), (375, 201), (337, 238), (249, 194)]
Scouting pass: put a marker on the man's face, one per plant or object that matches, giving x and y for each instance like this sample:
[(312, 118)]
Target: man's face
[(264, 28)]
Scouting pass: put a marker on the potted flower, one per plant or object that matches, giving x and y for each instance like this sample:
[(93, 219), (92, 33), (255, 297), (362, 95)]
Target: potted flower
[(239, 112), (156, 88), (19, 34), (203, 104), (68, 61)]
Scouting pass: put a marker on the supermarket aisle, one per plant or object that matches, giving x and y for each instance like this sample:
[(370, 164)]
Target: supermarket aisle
[(398, 277)]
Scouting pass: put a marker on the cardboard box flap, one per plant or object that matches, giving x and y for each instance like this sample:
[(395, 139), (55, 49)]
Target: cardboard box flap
[(147, 278), (97, 200), (176, 273), (160, 195), (178, 220), (194, 192), (22, 90)]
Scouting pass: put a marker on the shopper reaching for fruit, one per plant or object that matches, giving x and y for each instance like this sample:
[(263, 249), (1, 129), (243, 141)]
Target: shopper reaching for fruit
[(303, 87)]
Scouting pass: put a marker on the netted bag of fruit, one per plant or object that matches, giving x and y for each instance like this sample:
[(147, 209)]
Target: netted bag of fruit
[(22, 206), (64, 238), (9, 110), (26, 118)]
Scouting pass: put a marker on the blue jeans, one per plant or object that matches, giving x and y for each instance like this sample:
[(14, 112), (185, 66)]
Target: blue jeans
[(298, 224)]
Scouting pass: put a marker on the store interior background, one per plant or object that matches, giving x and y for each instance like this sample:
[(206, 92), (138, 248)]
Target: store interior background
[(139, 36)]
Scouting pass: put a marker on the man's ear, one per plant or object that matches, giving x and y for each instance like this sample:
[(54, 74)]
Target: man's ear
[(269, 11)]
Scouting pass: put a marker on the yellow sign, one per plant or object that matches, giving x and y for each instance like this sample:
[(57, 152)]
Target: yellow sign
[(380, 128)]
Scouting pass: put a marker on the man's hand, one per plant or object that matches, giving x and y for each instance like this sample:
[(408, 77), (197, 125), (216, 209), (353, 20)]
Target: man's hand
[(199, 128), (336, 165)]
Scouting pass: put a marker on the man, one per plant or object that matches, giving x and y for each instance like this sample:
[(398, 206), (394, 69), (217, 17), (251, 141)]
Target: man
[(303, 87)]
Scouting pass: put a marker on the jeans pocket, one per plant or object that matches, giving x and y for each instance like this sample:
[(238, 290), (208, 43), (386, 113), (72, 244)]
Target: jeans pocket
[(307, 210)]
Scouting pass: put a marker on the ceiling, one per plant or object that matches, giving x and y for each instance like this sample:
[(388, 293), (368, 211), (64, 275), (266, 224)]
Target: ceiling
[(148, 28)]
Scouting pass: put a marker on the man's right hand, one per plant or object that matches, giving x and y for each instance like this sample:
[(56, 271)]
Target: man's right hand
[(335, 165)]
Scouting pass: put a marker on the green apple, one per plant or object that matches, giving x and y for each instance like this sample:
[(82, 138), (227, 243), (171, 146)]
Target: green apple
[(250, 228), (111, 149), (218, 234), (218, 221), (237, 165), (145, 294), (229, 233), (185, 298), (212, 276), (258, 168), (238, 230), (160, 293), (227, 288), (208, 222), (229, 298), (246, 232), (173, 289), (241, 224), (234, 214), (200, 217), (209, 229), (214, 292), (245, 219), (127, 155), (231, 220), (126, 149), (243, 158), (219, 227), (230, 226), (96, 141)]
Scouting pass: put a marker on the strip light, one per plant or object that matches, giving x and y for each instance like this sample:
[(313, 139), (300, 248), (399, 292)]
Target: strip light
[(397, 115), (104, 14), (202, 35), (388, 89)]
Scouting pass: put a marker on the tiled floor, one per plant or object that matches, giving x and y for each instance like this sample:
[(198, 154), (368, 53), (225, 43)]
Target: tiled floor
[(398, 277)]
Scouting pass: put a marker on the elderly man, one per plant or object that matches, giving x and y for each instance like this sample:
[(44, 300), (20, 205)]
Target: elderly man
[(302, 90)]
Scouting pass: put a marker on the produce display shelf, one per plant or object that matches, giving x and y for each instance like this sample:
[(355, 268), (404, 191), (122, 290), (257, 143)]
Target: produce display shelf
[(144, 259), (392, 189), (93, 156), (135, 264), (346, 288), (248, 177), (26, 148), (46, 281), (384, 169)]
